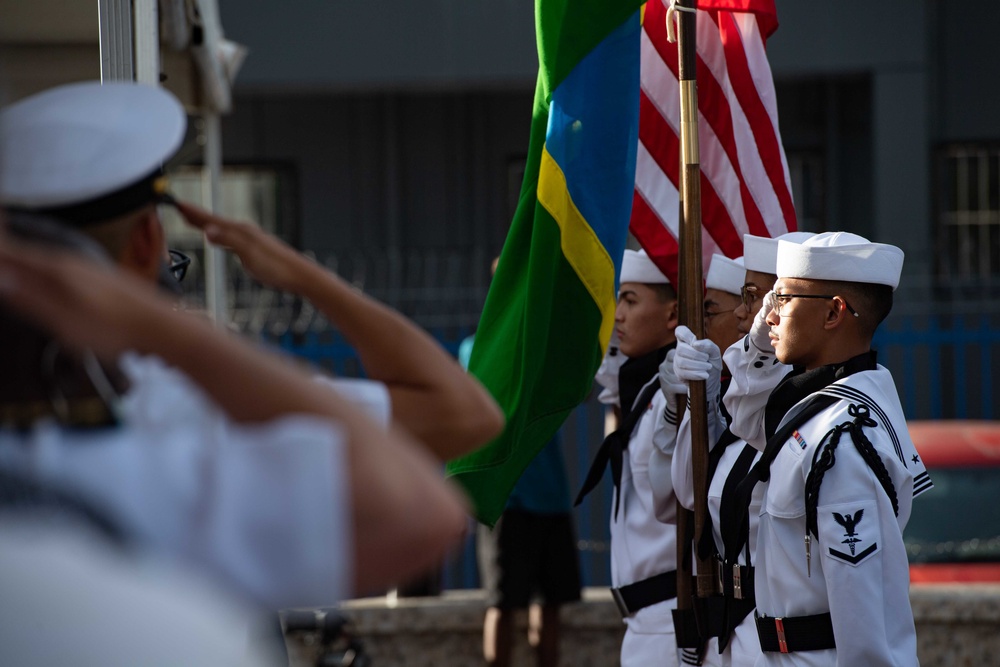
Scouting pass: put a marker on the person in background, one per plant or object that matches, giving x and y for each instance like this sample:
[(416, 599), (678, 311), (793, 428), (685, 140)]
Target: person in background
[(529, 559)]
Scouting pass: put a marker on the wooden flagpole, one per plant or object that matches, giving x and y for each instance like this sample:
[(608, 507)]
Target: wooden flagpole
[(691, 294)]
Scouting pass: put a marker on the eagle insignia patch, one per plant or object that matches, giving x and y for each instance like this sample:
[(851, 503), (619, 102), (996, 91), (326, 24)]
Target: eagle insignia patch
[(854, 530)]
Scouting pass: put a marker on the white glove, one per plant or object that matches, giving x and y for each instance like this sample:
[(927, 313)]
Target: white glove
[(695, 359), (700, 359), (670, 385), (760, 329), (607, 374)]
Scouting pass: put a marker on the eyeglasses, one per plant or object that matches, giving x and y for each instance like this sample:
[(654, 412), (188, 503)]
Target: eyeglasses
[(179, 263), (166, 199), (781, 299), (748, 296)]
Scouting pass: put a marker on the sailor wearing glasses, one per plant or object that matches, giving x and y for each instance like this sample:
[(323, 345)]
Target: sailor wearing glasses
[(838, 469), (740, 284), (203, 448), (701, 360), (756, 371)]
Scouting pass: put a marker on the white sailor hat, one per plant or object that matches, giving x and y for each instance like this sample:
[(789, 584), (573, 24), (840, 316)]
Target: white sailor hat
[(841, 256), (760, 253), (726, 275), (637, 267), (88, 152)]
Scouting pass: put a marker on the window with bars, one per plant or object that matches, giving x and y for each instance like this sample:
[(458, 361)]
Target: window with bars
[(969, 213)]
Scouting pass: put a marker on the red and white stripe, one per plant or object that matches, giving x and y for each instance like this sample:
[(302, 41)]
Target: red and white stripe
[(745, 185)]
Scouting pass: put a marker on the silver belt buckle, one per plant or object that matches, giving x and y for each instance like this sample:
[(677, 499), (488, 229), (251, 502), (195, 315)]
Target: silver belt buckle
[(620, 602), (737, 582), (720, 581)]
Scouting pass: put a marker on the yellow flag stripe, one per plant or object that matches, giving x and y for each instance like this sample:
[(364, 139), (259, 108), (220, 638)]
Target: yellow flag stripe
[(580, 244)]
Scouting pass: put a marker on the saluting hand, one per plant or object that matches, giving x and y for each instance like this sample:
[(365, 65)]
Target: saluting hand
[(265, 257)]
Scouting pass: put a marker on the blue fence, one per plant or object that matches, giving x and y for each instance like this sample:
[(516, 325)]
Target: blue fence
[(943, 367)]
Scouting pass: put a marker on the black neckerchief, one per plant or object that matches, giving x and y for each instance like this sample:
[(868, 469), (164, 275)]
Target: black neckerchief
[(707, 545), (800, 383), (635, 373)]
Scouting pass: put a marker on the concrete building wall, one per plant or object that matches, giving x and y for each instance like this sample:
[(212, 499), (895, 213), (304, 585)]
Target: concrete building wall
[(403, 171), (319, 45), (967, 95)]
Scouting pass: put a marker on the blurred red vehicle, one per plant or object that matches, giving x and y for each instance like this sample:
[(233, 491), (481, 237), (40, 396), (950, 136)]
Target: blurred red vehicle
[(953, 535)]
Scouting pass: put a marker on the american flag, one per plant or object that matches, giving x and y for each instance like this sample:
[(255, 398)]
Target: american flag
[(745, 184)]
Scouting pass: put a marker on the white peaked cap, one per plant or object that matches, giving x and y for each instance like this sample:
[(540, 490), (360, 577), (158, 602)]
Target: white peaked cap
[(841, 256), (760, 253), (726, 275), (83, 141), (637, 267)]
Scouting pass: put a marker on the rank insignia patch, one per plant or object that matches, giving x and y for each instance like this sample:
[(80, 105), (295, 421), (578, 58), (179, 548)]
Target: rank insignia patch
[(854, 530)]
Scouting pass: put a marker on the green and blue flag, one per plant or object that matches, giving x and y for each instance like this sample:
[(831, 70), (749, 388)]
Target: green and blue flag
[(550, 310)]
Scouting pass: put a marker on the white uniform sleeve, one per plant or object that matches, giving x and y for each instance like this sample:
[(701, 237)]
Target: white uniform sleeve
[(864, 564), (607, 373), (755, 375), (278, 515), (372, 396), (264, 508), (660, 463), (682, 470)]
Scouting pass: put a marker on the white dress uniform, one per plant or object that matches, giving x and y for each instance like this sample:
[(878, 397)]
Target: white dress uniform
[(854, 568), (743, 647), (754, 375), (642, 546), (857, 568), (262, 508)]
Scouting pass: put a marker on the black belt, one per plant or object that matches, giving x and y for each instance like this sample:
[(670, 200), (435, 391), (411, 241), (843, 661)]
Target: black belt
[(795, 633), (645, 593)]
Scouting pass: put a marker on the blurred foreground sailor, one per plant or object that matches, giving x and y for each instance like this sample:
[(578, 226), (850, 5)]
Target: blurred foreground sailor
[(90, 156), (204, 448), (839, 469), (73, 593)]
